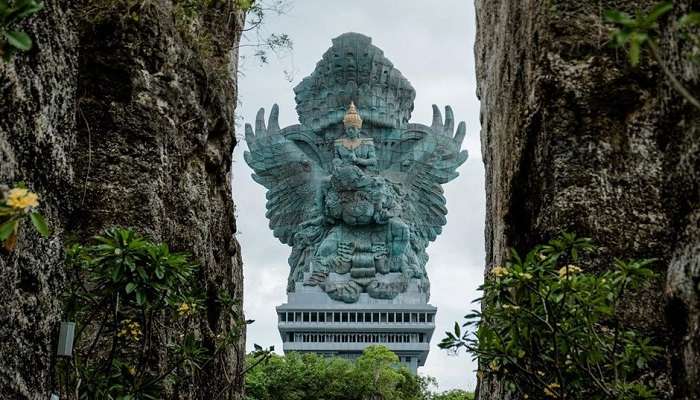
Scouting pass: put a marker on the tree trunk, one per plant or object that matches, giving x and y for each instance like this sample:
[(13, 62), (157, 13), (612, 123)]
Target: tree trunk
[(121, 114), (575, 139)]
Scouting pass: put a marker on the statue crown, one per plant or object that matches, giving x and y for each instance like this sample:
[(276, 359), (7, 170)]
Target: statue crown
[(352, 117)]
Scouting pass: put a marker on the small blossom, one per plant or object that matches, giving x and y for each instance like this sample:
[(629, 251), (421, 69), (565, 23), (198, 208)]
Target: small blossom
[(526, 276), (493, 365), (22, 199), (499, 271), (569, 270), (511, 307), (185, 309), (130, 329), (550, 390), (132, 370)]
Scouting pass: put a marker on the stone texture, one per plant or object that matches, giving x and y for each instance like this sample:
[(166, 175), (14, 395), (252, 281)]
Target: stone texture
[(575, 139), (122, 114)]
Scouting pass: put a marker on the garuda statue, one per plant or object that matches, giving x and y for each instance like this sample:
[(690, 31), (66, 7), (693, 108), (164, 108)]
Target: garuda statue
[(355, 189)]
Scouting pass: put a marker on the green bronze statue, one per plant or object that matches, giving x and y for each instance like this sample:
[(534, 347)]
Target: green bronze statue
[(356, 191)]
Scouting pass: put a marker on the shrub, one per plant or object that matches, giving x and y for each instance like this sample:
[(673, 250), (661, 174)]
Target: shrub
[(136, 306), (548, 328)]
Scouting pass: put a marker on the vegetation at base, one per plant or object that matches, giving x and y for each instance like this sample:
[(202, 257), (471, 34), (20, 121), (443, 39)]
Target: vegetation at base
[(13, 12), (375, 375), (642, 31), (549, 329), (137, 308), (16, 205)]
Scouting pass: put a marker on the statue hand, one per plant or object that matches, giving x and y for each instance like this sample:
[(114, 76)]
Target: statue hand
[(447, 129)]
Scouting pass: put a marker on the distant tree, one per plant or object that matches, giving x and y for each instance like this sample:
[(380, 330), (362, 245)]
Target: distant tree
[(455, 394), (376, 375)]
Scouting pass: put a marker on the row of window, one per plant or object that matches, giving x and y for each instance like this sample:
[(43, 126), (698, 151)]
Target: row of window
[(322, 337), (391, 317)]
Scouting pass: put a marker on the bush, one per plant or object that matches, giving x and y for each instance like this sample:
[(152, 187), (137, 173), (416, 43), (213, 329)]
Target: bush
[(136, 308), (374, 375), (548, 328)]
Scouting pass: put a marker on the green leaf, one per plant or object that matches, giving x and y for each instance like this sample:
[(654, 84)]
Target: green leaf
[(635, 50), (130, 287), (7, 228), (658, 11), (19, 40), (39, 224), (140, 297)]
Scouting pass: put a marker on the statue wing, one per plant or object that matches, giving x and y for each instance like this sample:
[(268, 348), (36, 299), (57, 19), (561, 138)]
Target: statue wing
[(289, 169), (431, 160)]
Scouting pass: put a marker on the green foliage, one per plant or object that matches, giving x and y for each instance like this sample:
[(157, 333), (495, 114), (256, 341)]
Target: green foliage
[(374, 375), (17, 204), (454, 395), (642, 31), (135, 302), (634, 32), (11, 13), (549, 329)]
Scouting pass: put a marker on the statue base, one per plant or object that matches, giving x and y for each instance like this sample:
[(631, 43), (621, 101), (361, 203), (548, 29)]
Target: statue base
[(311, 322)]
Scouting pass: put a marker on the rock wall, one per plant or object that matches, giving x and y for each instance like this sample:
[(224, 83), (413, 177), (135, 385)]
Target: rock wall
[(121, 114), (575, 139)]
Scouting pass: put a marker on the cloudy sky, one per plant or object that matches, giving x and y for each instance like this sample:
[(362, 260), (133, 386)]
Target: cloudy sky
[(431, 44)]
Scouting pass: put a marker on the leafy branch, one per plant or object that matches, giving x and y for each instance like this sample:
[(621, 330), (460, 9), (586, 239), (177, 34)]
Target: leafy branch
[(636, 33), (549, 329), (11, 13)]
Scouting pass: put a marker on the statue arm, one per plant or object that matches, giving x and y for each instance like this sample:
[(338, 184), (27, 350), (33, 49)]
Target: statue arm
[(371, 158)]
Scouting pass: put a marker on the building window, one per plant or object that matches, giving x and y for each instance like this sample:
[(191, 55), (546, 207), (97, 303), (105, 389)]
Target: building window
[(336, 317), (391, 317), (306, 317), (321, 317), (422, 317), (375, 317), (414, 317), (297, 316), (314, 317), (283, 317), (399, 317), (368, 317), (420, 338), (430, 317), (345, 317), (406, 317), (352, 316), (360, 317)]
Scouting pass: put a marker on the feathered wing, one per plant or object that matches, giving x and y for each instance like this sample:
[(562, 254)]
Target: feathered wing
[(432, 160), (290, 175)]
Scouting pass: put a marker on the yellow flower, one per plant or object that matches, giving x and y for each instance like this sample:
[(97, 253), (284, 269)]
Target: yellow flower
[(21, 199), (130, 329), (550, 390), (511, 307), (499, 271), (494, 366), (569, 270), (526, 276), (132, 370), (185, 309)]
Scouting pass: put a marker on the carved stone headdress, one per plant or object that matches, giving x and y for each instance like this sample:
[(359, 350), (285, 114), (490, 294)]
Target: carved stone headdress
[(352, 117)]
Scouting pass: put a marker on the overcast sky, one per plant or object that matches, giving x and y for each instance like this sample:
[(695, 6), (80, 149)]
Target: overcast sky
[(431, 44)]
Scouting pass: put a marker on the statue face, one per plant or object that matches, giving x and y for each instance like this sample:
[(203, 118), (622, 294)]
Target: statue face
[(352, 132)]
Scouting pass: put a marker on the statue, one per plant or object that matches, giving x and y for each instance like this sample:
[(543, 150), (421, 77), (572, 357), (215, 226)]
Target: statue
[(358, 204)]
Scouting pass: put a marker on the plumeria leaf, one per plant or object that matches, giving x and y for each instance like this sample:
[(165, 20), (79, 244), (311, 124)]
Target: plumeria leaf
[(40, 224), (7, 228), (19, 40)]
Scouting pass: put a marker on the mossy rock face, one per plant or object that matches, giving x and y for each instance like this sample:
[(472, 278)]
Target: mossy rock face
[(117, 121), (575, 140)]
